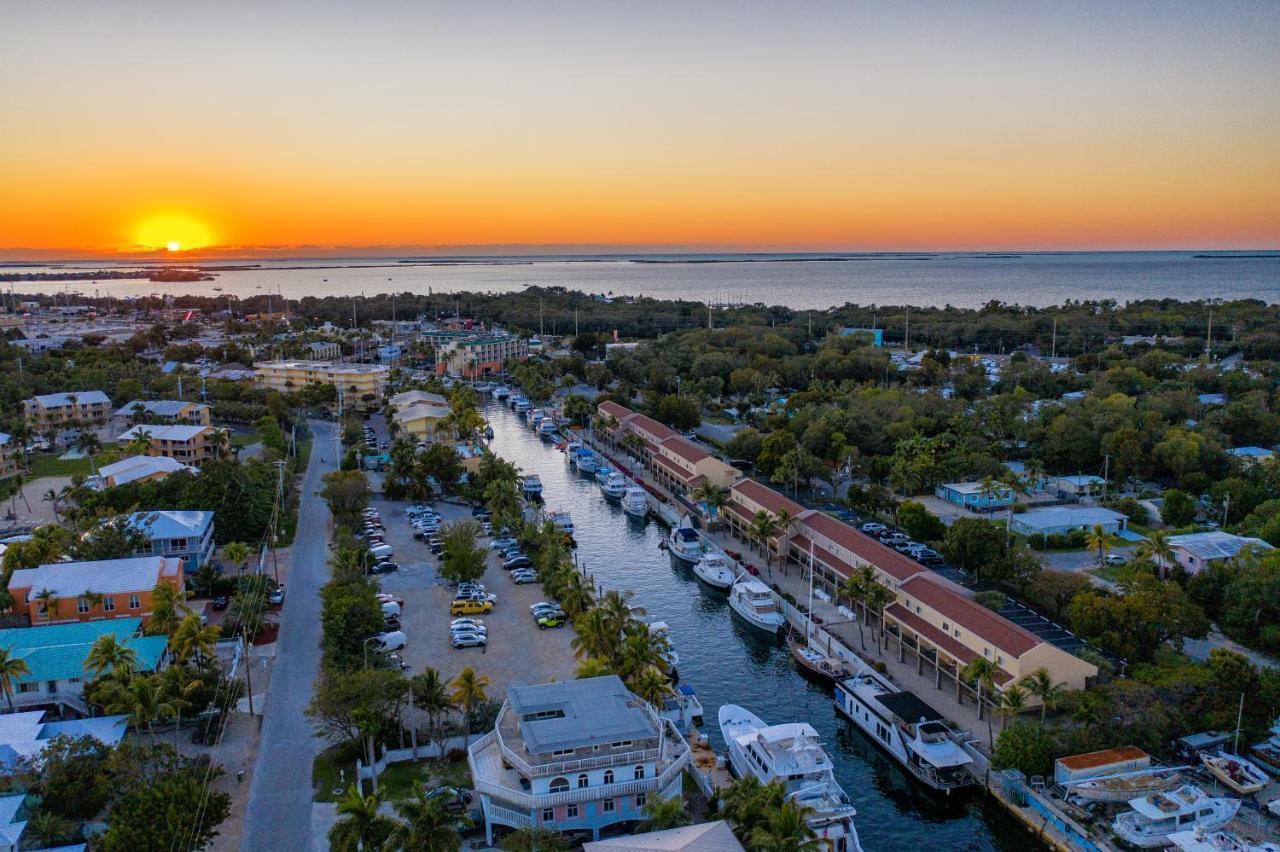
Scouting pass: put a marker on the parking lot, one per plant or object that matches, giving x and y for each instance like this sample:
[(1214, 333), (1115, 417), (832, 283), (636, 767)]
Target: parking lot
[(517, 652)]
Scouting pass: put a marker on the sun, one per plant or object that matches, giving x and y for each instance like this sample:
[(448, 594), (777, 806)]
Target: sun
[(173, 233)]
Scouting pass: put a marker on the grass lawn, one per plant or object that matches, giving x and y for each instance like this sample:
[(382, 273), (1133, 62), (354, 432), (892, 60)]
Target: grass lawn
[(244, 439), (48, 464), (1110, 573), (399, 781)]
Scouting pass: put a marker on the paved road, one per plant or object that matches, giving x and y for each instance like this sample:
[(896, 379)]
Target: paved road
[(279, 812)]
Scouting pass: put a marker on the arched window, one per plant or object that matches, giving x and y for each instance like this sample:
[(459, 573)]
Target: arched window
[(582, 780), (608, 776), (559, 785), (639, 772)]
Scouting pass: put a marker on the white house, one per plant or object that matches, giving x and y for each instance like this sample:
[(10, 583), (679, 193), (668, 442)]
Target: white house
[(1197, 551)]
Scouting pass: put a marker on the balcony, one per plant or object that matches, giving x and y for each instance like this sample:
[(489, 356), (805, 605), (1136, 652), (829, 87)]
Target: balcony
[(507, 732)]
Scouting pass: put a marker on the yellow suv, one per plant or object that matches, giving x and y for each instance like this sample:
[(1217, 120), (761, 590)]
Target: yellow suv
[(465, 607)]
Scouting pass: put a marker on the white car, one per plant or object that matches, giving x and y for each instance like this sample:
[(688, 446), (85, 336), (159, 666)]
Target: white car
[(464, 623), (469, 640), (471, 628), (523, 578), (391, 641)]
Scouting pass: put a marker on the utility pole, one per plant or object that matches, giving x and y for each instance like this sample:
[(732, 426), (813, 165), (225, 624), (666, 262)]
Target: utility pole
[(906, 343), (1106, 468), (1053, 348), (1208, 345), (709, 324), (248, 667), (575, 322)]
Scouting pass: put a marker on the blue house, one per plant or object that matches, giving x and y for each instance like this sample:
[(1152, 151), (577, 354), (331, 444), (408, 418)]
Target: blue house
[(971, 495), (876, 334), (188, 535)]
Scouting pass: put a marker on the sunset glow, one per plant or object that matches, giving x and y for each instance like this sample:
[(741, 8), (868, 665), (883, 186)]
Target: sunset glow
[(830, 126)]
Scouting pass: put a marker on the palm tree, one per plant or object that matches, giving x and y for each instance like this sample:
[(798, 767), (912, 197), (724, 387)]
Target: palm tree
[(139, 444), (53, 499), (237, 553), (109, 654), (426, 826), (19, 482), (1097, 539), (360, 826), (1012, 702), (877, 598), (854, 590), (592, 667), (193, 638), (784, 525), (143, 699), (596, 635), (711, 494), (94, 599), (651, 684), (220, 443), (468, 691), (11, 668), (1158, 550), (575, 597), (431, 697), (618, 609), (786, 829), (661, 814), (1040, 684), (47, 598), (168, 608), (762, 528), (88, 443), (47, 829), (982, 673)]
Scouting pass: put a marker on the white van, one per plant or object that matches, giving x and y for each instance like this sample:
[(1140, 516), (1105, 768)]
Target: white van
[(392, 641), (382, 550), (391, 609)]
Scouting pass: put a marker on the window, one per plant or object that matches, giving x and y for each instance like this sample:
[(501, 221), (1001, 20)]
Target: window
[(620, 744), (946, 628), (82, 606), (571, 812), (607, 806), (109, 604), (563, 751), (608, 776), (559, 785), (548, 814), (639, 773), (641, 798), (135, 602), (582, 780), (28, 687)]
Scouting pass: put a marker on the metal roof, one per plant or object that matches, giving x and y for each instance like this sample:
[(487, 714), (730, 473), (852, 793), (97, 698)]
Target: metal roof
[(908, 707), (591, 711), (58, 651), (168, 523)]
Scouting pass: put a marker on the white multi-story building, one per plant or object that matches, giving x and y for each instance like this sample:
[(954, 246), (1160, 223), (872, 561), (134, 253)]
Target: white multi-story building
[(576, 755)]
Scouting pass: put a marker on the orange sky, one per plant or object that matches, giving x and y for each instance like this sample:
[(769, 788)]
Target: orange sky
[(834, 126)]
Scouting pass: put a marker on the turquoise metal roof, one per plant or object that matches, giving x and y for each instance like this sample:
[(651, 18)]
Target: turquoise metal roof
[(58, 651)]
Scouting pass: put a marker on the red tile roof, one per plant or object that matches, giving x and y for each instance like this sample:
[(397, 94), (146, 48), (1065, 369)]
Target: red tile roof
[(949, 645), (653, 427), (971, 615), (771, 500), (867, 548), (613, 409), (685, 449), (800, 545), (674, 469)]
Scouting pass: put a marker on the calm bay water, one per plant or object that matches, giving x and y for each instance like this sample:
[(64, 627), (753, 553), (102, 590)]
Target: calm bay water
[(963, 280), (729, 663)]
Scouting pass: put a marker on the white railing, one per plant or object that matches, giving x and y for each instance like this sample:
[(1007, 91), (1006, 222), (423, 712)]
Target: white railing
[(74, 700), (582, 794), (516, 819), (538, 770)]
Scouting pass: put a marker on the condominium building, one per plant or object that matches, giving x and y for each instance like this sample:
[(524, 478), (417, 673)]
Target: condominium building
[(474, 356), (10, 456), (577, 755), (324, 350), (69, 591), (62, 412), (162, 411), (420, 420), (185, 535), (676, 462), (360, 386), (190, 445)]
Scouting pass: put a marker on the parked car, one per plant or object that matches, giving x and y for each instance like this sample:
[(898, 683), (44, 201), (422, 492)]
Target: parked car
[(871, 528), (469, 628), (384, 567), (470, 607), (390, 641), (1115, 559), (466, 622), (521, 578), (517, 562), (220, 602), (552, 620), (276, 598), (387, 597), (468, 640)]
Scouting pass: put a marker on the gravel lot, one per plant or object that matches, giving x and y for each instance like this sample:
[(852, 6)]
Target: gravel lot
[(518, 652)]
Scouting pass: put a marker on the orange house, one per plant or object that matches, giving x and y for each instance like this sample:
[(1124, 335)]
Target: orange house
[(62, 592)]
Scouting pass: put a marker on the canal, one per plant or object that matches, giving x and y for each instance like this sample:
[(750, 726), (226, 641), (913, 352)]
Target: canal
[(731, 663)]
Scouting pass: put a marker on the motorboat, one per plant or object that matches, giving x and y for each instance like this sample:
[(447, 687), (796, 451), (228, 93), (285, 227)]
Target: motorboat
[(792, 754), (571, 453), (1199, 840), (602, 472), (754, 601), (912, 732), (501, 392), (561, 520), (547, 427), (1154, 817), (716, 570), (532, 486), (684, 543), (1236, 772), (813, 662), (586, 462), (660, 628), (614, 486), (635, 502), (535, 416), (522, 405), (1268, 751), (682, 708)]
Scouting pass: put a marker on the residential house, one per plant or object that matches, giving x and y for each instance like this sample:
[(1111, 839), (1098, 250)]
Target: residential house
[(975, 496), (1252, 455), (137, 469), (1197, 551), (190, 445), (125, 586), (162, 411), (55, 657), (714, 836), (475, 356), (360, 386), (1063, 520), (24, 735), (324, 350), (1078, 487), (1033, 485), (575, 755), (404, 399), (186, 535), (10, 456), (65, 414), (420, 420)]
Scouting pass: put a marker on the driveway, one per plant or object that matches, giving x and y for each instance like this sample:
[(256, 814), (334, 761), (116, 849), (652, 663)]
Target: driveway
[(1080, 560), (721, 433), (279, 812)]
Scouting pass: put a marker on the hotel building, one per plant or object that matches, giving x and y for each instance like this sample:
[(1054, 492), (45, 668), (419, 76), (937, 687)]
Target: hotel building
[(361, 386)]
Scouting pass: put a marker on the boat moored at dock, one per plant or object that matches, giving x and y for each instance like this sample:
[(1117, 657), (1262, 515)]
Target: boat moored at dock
[(715, 569), (547, 427), (912, 732), (792, 754), (532, 487), (684, 543), (614, 485), (753, 600), (1154, 817), (635, 502), (561, 520)]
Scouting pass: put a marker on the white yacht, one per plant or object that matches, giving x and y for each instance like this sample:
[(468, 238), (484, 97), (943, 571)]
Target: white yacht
[(522, 405), (635, 502), (793, 755), (532, 486), (547, 427), (684, 543), (1199, 840), (571, 452), (561, 520), (715, 570), (911, 731), (586, 462), (535, 417), (614, 486), (682, 707), (501, 392), (753, 600), (1158, 815)]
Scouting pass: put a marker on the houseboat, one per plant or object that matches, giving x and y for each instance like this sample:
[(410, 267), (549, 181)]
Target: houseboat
[(1236, 772), (635, 502), (912, 732), (1154, 817), (753, 600), (793, 755), (532, 487), (684, 543), (715, 570)]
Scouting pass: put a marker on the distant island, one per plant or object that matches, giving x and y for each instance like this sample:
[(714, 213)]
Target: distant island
[(168, 274)]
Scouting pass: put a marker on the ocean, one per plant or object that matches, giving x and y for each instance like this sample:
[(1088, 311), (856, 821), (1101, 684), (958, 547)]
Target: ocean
[(814, 281)]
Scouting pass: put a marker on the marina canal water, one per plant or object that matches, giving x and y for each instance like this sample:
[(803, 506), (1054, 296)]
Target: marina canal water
[(731, 663)]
